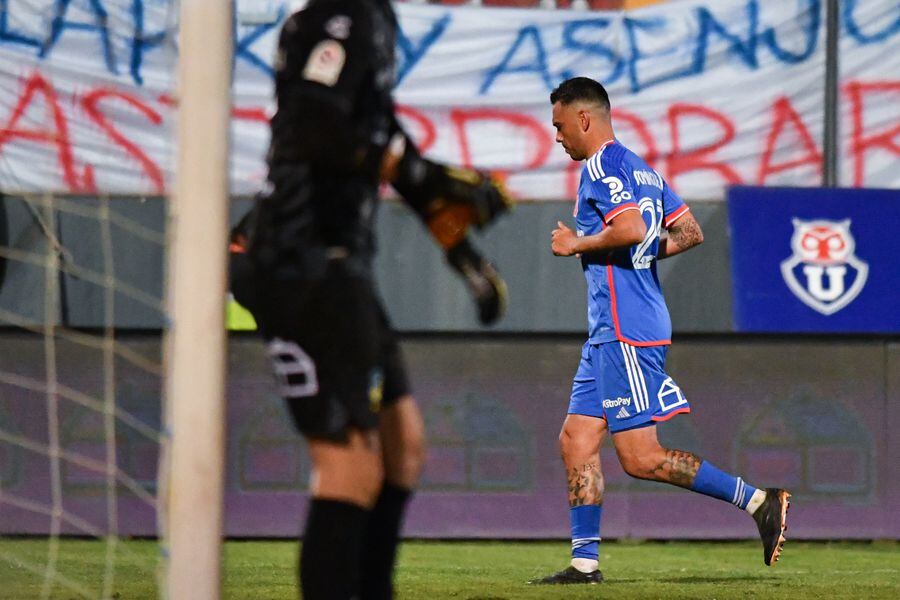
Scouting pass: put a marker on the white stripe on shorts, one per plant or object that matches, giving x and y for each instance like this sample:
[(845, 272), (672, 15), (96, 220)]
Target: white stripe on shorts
[(639, 399), (640, 375), (630, 377)]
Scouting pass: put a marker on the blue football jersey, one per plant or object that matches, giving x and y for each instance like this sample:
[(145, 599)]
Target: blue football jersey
[(625, 300)]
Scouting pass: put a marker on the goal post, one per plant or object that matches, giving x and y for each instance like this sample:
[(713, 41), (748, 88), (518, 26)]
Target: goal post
[(193, 463)]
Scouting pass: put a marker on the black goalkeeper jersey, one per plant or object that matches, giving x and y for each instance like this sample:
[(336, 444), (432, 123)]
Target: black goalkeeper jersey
[(335, 116)]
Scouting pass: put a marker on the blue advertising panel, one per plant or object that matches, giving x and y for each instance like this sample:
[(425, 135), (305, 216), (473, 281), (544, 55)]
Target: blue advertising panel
[(815, 259)]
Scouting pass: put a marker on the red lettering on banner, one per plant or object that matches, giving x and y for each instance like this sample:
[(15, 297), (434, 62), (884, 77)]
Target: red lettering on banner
[(783, 112), (90, 180), (862, 142), (244, 113), (637, 124), (542, 141), (701, 159), (250, 113), (91, 104), (57, 136), (253, 114), (426, 131)]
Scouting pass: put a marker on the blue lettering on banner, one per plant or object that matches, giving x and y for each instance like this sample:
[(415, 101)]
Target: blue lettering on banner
[(10, 36), (529, 35), (743, 40), (632, 26), (737, 34), (745, 49), (141, 42), (242, 46), (814, 14), (410, 53), (100, 26), (850, 24), (571, 41)]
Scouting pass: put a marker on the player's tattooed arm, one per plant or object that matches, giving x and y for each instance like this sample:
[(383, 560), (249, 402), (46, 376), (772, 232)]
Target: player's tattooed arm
[(623, 230), (585, 485), (678, 468), (684, 234)]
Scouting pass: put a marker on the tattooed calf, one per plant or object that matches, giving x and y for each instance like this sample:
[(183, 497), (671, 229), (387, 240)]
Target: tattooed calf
[(585, 485), (679, 468)]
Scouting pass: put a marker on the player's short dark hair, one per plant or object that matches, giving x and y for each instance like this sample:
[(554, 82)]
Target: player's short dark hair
[(580, 89)]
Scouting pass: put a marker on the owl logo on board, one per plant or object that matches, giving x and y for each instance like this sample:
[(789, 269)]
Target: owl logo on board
[(824, 273)]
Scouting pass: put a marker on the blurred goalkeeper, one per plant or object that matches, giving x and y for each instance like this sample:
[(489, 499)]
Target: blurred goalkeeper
[(303, 266)]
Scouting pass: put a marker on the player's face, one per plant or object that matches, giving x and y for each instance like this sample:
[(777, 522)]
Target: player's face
[(569, 133)]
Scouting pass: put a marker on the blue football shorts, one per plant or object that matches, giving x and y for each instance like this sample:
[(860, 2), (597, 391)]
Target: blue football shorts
[(626, 385)]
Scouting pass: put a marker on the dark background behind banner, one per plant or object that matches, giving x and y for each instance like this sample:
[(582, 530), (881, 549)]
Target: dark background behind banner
[(817, 417), (762, 224), (547, 293)]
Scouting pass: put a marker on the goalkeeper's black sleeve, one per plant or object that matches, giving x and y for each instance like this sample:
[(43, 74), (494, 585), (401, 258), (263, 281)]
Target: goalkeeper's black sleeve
[(429, 187), (448, 200)]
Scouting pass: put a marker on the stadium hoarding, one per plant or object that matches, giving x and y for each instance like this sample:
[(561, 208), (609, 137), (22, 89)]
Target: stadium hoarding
[(712, 93), (815, 260), (765, 409)]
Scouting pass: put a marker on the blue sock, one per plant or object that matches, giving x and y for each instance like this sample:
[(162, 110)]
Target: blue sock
[(586, 530), (714, 482)]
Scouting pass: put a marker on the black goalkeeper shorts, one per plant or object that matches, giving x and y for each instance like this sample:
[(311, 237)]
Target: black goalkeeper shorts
[(336, 358)]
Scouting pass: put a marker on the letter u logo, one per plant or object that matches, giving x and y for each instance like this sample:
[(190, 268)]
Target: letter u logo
[(814, 276)]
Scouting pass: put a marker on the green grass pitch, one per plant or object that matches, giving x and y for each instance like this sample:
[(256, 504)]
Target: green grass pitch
[(493, 570)]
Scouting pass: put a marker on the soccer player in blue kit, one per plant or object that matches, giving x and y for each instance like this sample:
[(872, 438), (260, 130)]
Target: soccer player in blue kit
[(621, 385)]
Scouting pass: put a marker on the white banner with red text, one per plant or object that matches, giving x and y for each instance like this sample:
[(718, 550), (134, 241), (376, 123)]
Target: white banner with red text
[(710, 93)]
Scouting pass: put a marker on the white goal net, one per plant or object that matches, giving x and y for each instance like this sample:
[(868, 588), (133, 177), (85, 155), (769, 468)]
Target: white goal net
[(80, 421), (111, 304)]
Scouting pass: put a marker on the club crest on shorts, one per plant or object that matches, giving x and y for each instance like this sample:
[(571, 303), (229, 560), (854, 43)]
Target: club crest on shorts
[(823, 272)]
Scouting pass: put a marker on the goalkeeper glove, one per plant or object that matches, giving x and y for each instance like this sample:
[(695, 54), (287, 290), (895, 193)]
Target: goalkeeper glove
[(448, 200), (485, 283), (430, 188), (484, 196)]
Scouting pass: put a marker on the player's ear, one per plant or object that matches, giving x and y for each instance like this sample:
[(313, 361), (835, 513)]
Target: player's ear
[(584, 119)]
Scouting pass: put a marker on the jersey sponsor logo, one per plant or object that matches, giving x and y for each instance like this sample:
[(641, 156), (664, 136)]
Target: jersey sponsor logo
[(614, 402), (617, 192), (326, 61), (669, 395), (338, 27), (823, 271)]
